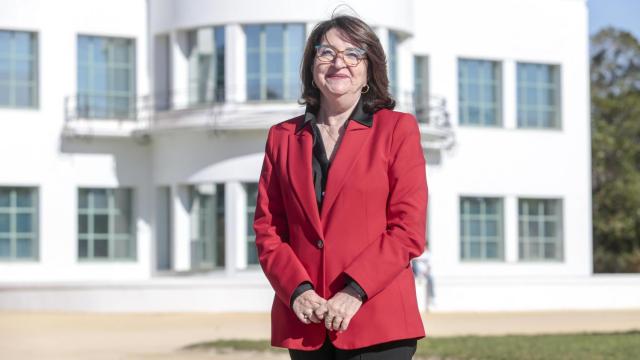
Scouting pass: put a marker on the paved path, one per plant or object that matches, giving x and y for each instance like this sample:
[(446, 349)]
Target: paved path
[(160, 336)]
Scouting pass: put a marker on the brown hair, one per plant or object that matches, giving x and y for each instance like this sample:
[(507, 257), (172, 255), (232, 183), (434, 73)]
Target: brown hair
[(360, 34)]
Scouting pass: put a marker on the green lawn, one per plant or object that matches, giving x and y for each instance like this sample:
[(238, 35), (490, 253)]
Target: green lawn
[(609, 346)]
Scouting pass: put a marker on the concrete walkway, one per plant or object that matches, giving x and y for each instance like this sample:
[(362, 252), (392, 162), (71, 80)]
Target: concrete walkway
[(160, 336)]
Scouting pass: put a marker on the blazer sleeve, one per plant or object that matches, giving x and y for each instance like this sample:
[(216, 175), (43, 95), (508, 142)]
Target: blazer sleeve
[(404, 238), (280, 264)]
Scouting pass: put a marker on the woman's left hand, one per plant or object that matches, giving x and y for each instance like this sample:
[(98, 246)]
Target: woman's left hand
[(340, 309)]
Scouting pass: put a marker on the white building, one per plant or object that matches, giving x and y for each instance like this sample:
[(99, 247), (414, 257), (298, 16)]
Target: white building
[(139, 130)]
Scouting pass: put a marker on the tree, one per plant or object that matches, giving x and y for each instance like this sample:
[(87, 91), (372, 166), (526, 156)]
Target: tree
[(615, 115)]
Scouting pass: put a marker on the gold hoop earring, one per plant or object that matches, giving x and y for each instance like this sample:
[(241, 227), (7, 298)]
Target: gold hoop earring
[(365, 91), (313, 84)]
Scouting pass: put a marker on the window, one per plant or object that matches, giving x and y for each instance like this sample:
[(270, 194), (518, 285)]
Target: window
[(393, 63), (540, 229), (18, 69), (106, 224), (421, 87), (206, 65), (538, 96), (274, 53), (481, 229), (479, 92), (18, 223), (252, 194), (207, 226), (106, 78)]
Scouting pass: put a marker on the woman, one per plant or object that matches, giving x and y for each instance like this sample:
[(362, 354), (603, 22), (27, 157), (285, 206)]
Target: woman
[(341, 207)]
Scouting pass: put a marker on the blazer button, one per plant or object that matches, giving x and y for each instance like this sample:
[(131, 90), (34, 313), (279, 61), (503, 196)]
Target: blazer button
[(320, 244)]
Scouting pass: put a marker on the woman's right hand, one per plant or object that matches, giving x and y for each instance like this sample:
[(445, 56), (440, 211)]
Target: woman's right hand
[(305, 304)]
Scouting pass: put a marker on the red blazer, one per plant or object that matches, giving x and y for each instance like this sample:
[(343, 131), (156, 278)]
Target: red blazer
[(371, 225)]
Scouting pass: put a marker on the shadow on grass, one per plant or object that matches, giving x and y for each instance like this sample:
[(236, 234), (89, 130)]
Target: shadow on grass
[(581, 346)]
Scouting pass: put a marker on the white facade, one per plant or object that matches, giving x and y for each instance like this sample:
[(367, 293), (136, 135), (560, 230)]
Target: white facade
[(166, 153)]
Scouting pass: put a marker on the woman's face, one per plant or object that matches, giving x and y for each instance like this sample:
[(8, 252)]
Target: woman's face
[(335, 78)]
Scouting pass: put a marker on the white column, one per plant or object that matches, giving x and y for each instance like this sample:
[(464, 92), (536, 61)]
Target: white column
[(235, 71), (235, 225), (383, 35), (511, 229), (509, 97), (180, 69), (181, 229)]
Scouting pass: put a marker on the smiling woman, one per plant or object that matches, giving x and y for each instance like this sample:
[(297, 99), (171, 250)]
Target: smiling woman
[(337, 247)]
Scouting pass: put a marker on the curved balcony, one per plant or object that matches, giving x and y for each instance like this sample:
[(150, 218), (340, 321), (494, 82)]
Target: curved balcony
[(101, 116)]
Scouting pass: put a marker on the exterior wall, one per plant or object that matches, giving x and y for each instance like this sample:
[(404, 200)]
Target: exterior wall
[(162, 155), (35, 154), (506, 161)]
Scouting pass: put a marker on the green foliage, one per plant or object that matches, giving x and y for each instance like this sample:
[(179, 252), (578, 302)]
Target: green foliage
[(615, 100)]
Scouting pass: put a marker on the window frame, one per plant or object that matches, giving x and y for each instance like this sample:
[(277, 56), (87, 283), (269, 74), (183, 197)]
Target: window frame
[(263, 74), (465, 244), (496, 83), (12, 58), (541, 239), (13, 210), (555, 85), (110, 93), (111, 236)]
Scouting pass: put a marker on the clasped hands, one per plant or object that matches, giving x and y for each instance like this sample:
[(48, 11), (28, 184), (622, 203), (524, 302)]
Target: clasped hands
[(336, 313)]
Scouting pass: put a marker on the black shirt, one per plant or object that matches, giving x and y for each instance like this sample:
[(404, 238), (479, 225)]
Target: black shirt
[(320, 166)]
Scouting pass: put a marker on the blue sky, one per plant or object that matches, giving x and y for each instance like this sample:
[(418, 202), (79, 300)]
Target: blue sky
[(623, 14)]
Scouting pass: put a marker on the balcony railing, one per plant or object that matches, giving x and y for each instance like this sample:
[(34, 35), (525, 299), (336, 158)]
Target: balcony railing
[(195, 108)]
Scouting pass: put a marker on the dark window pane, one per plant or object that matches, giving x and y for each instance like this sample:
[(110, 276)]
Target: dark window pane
[(23, 44), (23, 222), (83, 200), (83, 224), (99, 198), (475, 250), (24, 197), (275, 66), (83, 248), (492, 250), (122, 224), (4, 72), (253, 36), (5, 197), (5, 39), (24, 96), (274, 35), (100, 50), (100, 248), (100, 224), (4, 94), (5, 223), (5, 247), (121, 50), (121, 249), (23, 248), (274, 89)]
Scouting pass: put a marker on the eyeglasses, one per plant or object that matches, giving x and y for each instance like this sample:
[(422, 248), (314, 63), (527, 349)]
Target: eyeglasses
[(350, 56)]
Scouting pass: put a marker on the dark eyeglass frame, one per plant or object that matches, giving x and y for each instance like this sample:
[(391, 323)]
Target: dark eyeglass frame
[(361, 57)]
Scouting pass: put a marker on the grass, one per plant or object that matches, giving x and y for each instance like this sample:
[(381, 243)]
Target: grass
[(587, 346)]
